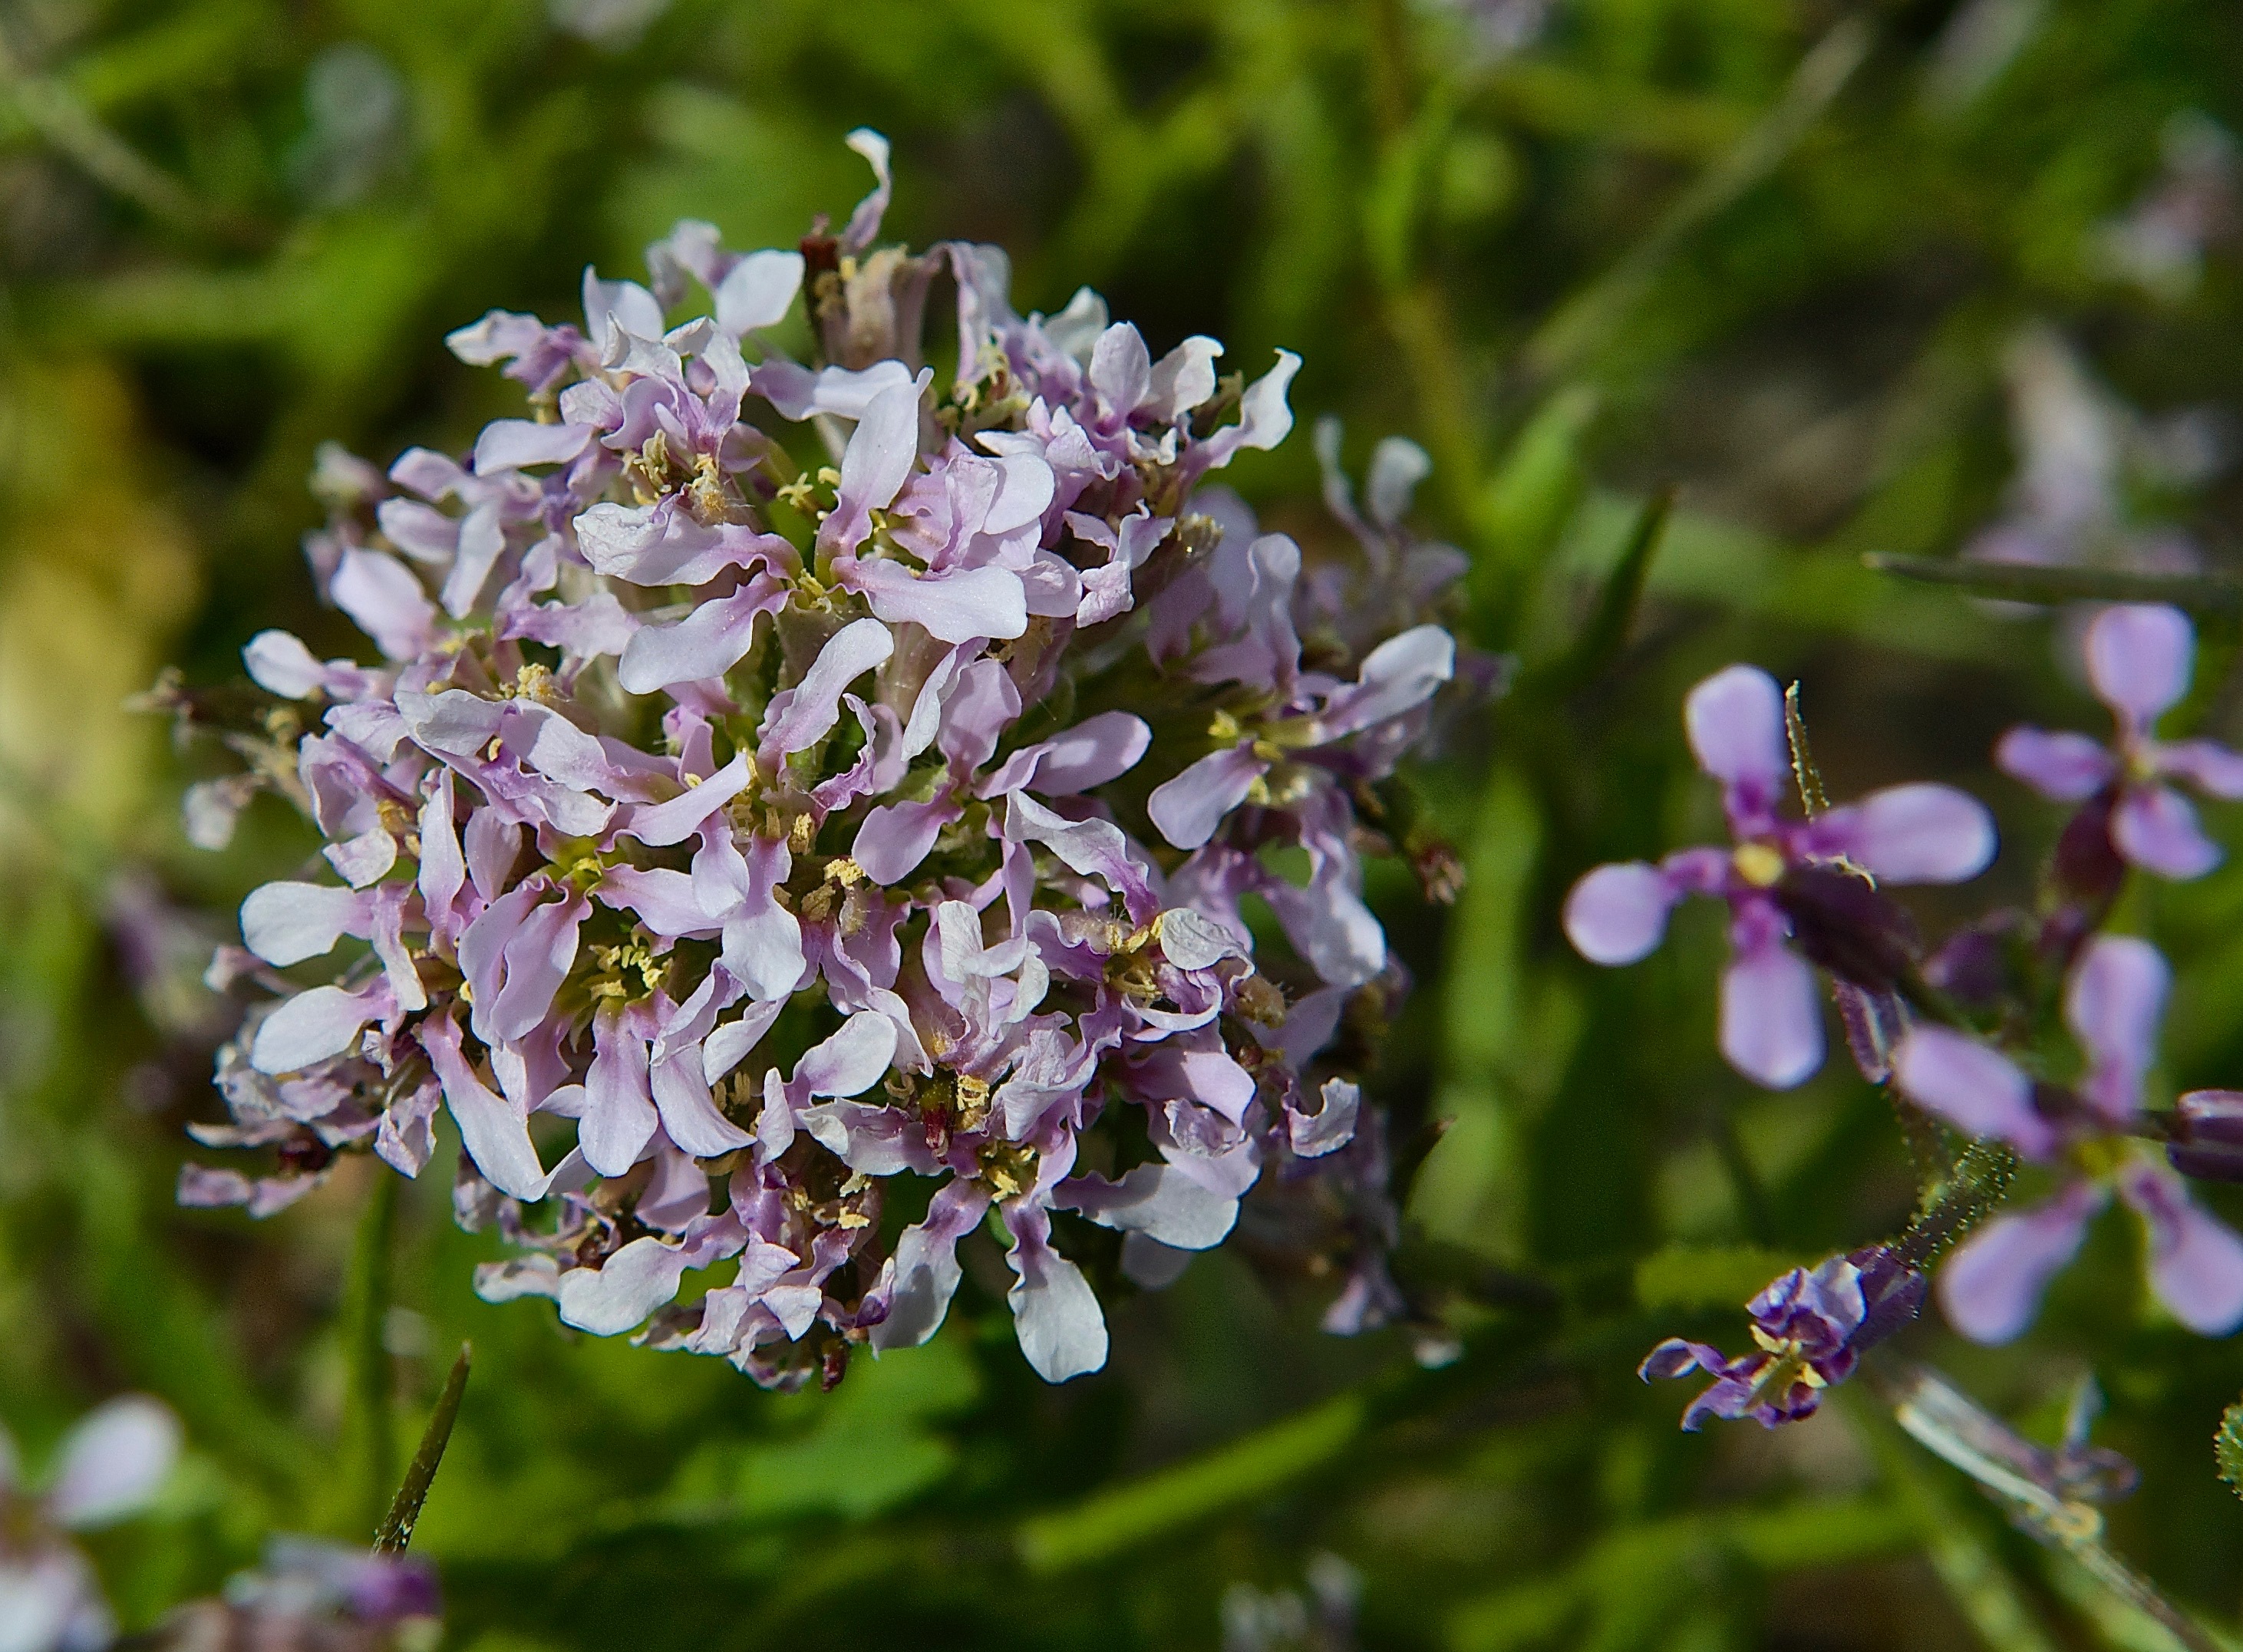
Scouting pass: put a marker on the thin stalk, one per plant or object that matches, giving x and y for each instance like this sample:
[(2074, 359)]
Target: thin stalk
[(372, 1387), (396, 1528)]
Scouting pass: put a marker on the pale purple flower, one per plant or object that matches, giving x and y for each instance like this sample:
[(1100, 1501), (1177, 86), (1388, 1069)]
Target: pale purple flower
[(2139, 658), (108, 1468), (1793, 886), (835, 876), (1990, 1288)]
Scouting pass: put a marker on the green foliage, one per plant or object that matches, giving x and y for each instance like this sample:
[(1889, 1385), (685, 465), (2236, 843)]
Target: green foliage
[(1767, 255)]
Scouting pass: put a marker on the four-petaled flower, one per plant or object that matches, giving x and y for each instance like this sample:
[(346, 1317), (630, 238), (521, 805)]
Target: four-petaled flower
[(1811, 883), (1990, 1288), (2139, 658)]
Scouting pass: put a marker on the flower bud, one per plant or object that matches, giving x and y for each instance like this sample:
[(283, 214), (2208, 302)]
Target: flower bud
[(1841, 921), (2207, 1135)]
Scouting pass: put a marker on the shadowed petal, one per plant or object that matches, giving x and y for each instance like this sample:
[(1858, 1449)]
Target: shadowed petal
[(2114, 1001), (1990, 1288), (2155, 827), (2063, 766), (927, 1266), (2209, 766), (2138, 658), (2195, 1261), (1189, 808)]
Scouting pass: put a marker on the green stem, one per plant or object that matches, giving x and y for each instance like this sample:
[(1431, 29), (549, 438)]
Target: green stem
[(396, 1528)]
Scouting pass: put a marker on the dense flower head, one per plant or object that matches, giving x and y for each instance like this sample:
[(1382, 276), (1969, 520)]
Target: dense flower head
[(787, 826), (1797, 890)]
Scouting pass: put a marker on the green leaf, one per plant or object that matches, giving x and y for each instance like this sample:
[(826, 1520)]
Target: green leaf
[(1161, 1502), (2227, 1446), (2027, 583)]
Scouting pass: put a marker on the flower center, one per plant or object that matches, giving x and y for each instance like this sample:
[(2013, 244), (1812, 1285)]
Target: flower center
[(1759, 864)]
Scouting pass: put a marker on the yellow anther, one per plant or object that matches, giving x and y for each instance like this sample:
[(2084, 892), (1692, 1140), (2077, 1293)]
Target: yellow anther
[(1759, 864), (1222, 726)]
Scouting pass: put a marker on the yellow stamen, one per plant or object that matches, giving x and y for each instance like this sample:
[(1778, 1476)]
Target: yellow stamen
[(1759, 864)]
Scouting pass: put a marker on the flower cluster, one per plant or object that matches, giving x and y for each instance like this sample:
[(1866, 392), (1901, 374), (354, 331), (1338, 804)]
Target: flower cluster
[(1955, 1030), (726, 834)]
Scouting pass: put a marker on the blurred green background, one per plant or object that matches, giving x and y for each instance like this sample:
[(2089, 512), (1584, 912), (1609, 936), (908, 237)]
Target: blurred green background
[(1856, 277)]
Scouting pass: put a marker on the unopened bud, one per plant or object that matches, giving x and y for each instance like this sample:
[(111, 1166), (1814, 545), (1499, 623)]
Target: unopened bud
[(2207, 1135)]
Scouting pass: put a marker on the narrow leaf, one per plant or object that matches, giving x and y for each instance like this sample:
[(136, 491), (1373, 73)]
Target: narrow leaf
[(2025, 583)]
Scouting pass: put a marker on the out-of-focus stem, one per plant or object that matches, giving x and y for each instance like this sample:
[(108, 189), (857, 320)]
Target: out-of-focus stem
[(371, 1384)]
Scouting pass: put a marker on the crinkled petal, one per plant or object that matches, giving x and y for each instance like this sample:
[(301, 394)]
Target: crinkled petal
[(1188, 808), (619, 1294), (707, 643), (851, 1061), (1331, 1127), (804, 714), (1154, 1199), (1401, 673), (496, 1136), (864, 221), (1057, 1316), (927, 1273), (659, 825), (874, 466), (957, 606), (619, 1116)]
